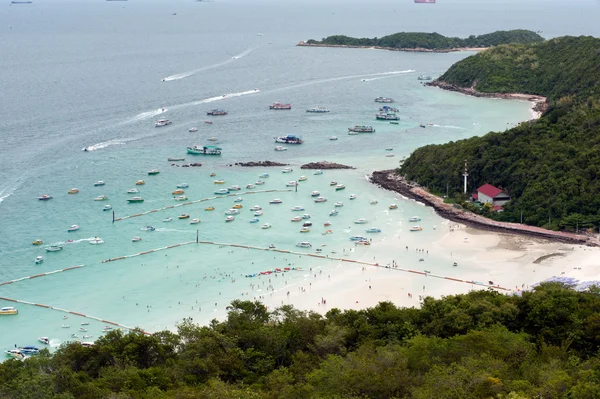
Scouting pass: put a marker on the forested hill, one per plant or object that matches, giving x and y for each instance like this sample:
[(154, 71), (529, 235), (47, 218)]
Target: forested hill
[(433, 41), (543, 344), (550, 167)]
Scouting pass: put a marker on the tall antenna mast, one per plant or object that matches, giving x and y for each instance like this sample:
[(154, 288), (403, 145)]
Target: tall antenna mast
[(466, 174)]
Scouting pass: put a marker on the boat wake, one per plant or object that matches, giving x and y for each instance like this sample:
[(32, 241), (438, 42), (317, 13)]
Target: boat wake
[(206, 68), (223, 97), (386, 75), (104, 144), (69, 242), (5, 193), (449, 127), (148, 114)]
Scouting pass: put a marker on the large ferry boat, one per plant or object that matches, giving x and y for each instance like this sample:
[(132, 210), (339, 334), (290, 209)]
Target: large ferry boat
[(384, 100), (204, 150), (289, 139), (216, 112), (361, 129), (278, 105), (386, 116)]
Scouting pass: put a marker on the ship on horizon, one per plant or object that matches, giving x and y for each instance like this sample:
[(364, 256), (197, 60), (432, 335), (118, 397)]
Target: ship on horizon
[(425, 1)]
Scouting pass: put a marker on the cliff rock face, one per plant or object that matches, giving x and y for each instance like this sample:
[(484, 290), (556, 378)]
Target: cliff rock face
[(325, 165)]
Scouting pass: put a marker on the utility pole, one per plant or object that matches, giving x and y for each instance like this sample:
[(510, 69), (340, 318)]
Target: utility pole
[(446, 190), (521, 217), (465, 174)]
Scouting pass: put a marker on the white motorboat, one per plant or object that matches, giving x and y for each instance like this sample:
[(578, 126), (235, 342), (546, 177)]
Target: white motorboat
[(65, 326), (304, 230), (358, 238), (297, 219), (54, 248), (333, 212), (229, 219), (373, 202), (250, 186), (304, 244), (361, 221), (148, 228), (167, 219), (194, 221), (183, 185), (44, 340), (15, 354), (136, 239), (298, 208), (333, 183), (101, 198), (133, 191), (416, 228), (73, 228), (280, 148), (287, 170), (292, 183), (96, 241), (235, 188), (390, 155), (107, 207), (254, 220), (259, 183), (373, 230), (266, 226), (180, 198), (238, 199), (352, 196), (315, 194), (275, 201), (339, 204), (256, 208), (320, 199), (162, 122), (264, 175), (306, 216), (258, 213), (318, 172), (193, 129), (333, 138), (39, 259), (232, 211), (99, 183), (414, 219), (303, 178)]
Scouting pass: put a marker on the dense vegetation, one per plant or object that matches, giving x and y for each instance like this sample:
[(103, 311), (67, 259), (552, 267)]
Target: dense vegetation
[(551, 167), (435, 41), (480, 345)]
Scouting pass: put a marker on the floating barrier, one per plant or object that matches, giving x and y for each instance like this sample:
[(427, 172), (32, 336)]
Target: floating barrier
[(42, 274), (198, 201), (71, 312), (147, 252)]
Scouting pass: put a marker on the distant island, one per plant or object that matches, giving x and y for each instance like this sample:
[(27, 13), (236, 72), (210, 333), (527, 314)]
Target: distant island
[(550, 167), (428, 42)]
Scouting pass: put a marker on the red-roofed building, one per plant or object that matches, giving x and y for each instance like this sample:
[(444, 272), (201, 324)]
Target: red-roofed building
[(490, 194)]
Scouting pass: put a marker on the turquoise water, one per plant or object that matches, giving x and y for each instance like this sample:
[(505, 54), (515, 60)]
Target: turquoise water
[(91, 76)]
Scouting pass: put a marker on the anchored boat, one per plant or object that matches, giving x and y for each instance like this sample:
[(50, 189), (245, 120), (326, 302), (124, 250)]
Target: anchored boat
[(204, 150)]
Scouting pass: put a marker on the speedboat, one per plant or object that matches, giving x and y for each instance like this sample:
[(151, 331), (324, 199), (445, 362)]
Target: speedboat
[(389, 149), (333, 212), (39, 259), (82, 329), (304, 230), (148, 228), (235, 188), (140, 183), (259, 183), (304, 244), (223, 191), (44, 340), (275, 201), (303, 178), (306, 216), (320, 199), (29, 350), (217, 112), (266, 226), (352, 196), (280, 148), (298, 208), (8, 310), (99, 183), (209, 208), (65, 326), (373, 202), (44, 197), (389, 155), (183, 185), (258, 213), (339, 187), (73, 191), (339, 204), (73, 228), (254, 220), (213, 139), (384, 100), (373, 230), (393, 206), (15, 354), (193, 129), (333, 183), (358, 238), (287, 170), (153, 172), (194, 221), (315, 194), (326, 224), (167, 219), (306, 224), (183, 216), (178, 192), (37, 242), (135, 200), (136, 239), (416, 228), (133, 191), (318, 172), (238, 199), (250, 186), (237, 206), (229, 219), (333, 138), (317, 110), (101, 198), (219, 181), (96, 241), (297, 219), (162, 122), (54, 248), (289, 139), (414, 219), (361, 221), (256, 208), (232, 212), (264, 175), (107, 207), (272, 246)]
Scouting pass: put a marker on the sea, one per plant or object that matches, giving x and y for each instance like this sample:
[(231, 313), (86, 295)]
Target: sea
[(98, 74)]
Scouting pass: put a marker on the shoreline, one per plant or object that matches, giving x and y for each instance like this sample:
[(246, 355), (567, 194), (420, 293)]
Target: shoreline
[(410, 50), (387, 179), (539, 104)]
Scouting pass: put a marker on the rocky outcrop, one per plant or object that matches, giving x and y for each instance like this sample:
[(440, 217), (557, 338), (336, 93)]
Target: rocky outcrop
[(325, 165), (260, 163), (188, 165)]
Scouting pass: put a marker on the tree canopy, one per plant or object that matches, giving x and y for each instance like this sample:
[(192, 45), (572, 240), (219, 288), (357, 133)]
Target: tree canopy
[(484, 344), (434, 41), (550, 167)]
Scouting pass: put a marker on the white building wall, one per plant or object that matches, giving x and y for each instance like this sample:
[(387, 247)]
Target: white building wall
[(483, 198)]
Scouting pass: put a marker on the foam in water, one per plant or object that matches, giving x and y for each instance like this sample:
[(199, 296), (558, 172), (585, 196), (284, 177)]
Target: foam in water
[(206, 68), (386, 75), (5, 193), (104, 144)]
